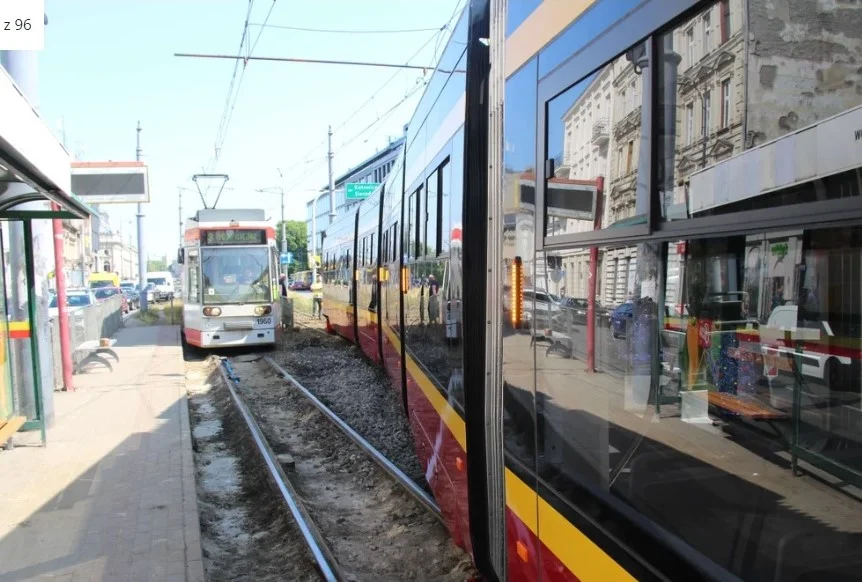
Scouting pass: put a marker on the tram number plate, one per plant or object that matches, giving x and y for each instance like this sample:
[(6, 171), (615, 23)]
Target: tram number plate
[(263, 322)]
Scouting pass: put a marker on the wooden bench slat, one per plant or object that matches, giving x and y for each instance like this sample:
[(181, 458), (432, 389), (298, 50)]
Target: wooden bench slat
[(11, 427), (745, 406)]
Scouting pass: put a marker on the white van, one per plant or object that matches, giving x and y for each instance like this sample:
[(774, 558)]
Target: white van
[(164, 283)]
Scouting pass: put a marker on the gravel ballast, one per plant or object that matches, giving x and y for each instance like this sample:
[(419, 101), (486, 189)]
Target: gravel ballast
[(353, 387)]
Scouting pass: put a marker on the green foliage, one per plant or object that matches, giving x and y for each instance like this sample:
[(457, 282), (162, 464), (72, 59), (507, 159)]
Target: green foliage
[(157, 265), (296, 243)]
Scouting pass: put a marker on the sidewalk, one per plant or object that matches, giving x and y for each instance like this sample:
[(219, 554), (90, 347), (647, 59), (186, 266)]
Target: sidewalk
[(112, 496)]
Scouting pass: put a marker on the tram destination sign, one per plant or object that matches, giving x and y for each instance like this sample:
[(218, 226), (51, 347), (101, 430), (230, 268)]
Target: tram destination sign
[(227, 237)]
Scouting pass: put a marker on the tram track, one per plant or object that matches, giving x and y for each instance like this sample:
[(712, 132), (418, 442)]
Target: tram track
[(360, 516)]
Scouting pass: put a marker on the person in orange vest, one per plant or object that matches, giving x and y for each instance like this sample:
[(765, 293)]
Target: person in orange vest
[(317, 298)]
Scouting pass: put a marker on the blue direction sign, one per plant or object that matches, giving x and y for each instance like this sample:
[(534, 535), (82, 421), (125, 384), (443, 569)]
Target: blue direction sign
[(359, 190), (286, 258)]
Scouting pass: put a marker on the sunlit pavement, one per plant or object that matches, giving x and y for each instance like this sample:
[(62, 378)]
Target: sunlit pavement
[(113, 494)]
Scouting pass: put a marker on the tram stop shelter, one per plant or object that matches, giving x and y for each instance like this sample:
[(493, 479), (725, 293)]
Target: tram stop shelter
[(34, 168)]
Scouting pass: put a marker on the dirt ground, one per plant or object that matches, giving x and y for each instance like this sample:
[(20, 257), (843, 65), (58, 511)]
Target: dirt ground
[(376, 530), (246, 534)]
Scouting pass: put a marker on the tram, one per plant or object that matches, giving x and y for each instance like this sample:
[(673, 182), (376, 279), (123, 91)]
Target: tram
[(230, 272), (679, 182)]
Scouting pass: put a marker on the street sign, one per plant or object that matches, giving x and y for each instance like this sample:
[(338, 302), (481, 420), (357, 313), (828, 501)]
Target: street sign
[(286, 258), (359, 190)]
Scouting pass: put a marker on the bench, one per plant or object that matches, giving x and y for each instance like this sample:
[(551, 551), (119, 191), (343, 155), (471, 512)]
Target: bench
[(746, 406), (94, 350), (8, 428)]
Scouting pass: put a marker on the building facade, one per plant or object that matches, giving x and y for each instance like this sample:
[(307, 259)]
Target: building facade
[(373, 170)]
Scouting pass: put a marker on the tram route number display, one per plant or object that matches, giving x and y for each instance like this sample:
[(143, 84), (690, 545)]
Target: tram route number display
[(216, 238)]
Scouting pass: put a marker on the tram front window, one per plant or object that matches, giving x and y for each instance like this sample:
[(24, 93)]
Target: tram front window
[(236, 275)]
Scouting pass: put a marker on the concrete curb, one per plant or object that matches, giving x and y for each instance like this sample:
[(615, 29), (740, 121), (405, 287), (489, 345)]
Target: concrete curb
[(191, 519)]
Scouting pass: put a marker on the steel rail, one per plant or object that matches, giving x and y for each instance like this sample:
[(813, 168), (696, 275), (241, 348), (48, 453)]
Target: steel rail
[(400, 477), (315, 541)]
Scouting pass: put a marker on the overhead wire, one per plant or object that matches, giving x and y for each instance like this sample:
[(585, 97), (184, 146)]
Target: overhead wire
[(226, 109), (345, 31), (233, 96), (242, 76), (349, 118)]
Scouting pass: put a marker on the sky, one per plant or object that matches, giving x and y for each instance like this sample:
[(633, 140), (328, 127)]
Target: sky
[(108, 64)]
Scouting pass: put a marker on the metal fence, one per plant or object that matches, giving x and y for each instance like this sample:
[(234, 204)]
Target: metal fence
[(89, 323)]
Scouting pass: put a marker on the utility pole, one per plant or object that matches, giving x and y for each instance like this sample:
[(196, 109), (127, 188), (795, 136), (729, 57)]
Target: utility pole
[(329, 157), (283, 223), (142, 257), (180, 190)]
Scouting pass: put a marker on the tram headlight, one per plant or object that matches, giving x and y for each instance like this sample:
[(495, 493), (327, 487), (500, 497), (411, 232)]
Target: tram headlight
[(212, 311), (263, 310)]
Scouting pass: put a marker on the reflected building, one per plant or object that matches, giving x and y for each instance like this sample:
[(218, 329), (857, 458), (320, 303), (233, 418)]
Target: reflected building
[(586, 145)]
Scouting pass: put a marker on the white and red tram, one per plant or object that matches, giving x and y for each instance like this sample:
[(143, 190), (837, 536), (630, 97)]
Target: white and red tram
[(230, 275)]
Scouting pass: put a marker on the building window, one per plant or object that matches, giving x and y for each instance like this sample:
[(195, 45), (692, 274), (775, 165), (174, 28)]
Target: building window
[(724, 6), (707, 33), (725, 103), (629, 156), (689, 124), (689, 45), (707, 113)]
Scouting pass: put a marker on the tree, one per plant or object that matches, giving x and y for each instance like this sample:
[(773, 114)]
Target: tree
[(160, 264), (297, 243)]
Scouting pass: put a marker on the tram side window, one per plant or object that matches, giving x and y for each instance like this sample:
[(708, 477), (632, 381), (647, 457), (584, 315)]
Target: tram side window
[(445, 236), (410, 235), (730, 393), (432, 206), (716, 111), (582, 163), (420, 218), (193, 291)]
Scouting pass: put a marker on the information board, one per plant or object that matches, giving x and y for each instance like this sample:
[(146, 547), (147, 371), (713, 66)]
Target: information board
[(225, 237)]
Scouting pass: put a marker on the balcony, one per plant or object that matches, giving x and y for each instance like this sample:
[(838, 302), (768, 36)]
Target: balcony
[(601, 132)]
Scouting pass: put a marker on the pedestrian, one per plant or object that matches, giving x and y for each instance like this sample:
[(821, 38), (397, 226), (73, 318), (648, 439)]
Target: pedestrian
[(282, 283), (433, 299), (317, 298)]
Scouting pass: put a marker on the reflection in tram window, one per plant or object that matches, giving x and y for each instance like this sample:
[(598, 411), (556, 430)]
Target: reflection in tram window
[(594, 126), (722, 399), (781, 107), (518, 259)]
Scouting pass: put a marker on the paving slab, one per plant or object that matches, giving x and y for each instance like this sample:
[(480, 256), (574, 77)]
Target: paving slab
[(112, 496)]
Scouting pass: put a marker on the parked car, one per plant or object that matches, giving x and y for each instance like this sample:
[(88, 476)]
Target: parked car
[(104, 293), (546, 308), (75, 299), (152, 293), (573, 311), (621, 318), (133, 297)]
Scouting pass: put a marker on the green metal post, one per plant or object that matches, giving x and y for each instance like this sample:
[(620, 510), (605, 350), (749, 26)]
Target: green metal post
[(31, 314)]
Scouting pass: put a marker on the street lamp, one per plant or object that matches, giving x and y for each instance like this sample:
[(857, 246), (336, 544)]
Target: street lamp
[(278, 190)]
